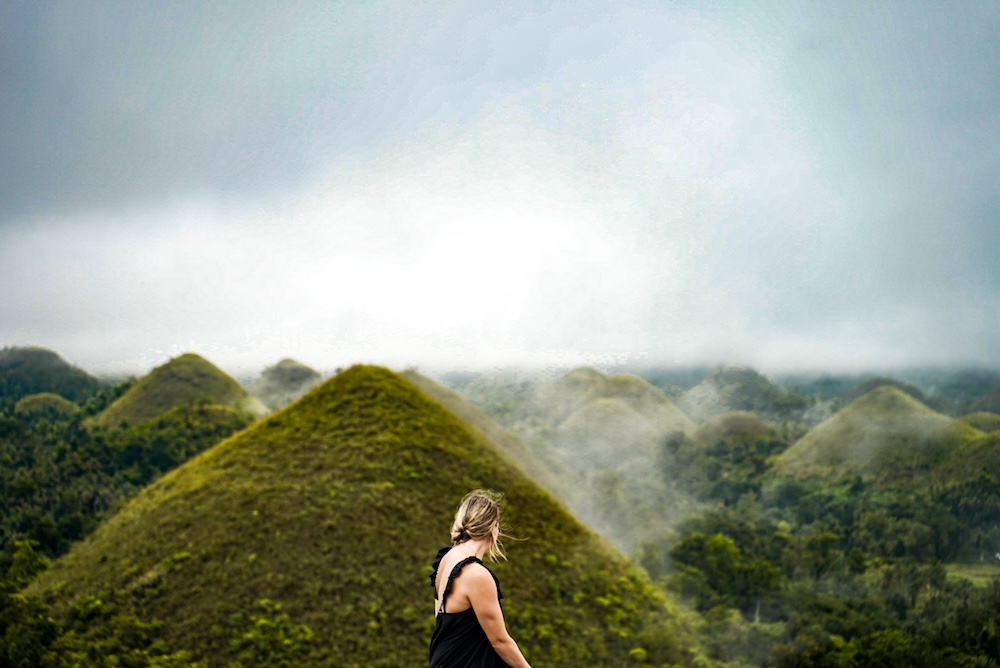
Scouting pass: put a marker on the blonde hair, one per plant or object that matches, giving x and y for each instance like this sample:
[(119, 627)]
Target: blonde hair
[(477, 516)]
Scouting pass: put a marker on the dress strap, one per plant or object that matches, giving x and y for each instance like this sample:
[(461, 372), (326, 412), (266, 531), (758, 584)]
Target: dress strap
[(451, 577)]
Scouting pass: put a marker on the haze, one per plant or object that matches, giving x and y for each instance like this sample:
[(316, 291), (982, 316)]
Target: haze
[(785, 185)]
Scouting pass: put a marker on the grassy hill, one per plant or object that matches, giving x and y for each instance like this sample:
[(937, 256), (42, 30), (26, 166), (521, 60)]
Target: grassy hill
[(740, 389), (283, 383), (45, 402), (306, 540), (185, 379), (559, 400), (602, 436), (983, 421), (733, 427), (30, 370), (885, 434)]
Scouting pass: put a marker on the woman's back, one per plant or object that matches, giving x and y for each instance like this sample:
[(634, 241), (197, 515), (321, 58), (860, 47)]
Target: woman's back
[(458, 640)]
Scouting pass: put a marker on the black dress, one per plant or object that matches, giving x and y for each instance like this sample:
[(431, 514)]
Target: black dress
[(458, 640)]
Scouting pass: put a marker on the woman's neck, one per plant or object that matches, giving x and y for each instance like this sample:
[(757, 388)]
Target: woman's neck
[(476, 547)]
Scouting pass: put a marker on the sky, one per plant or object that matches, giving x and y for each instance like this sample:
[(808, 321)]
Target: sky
[(786, 185)]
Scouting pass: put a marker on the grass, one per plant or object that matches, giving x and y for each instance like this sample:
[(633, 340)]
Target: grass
[(885, 434), (185, 379), (45, 401), (333, 509), (981, 575)]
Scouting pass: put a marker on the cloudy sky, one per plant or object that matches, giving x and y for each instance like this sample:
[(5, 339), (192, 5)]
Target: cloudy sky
[(782, 184)]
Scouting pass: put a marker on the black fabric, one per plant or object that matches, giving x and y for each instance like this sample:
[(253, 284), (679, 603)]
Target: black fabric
[(458, 641)]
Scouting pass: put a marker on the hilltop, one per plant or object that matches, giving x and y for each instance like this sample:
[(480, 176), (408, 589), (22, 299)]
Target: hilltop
[(319, 524), (578, 388), (283, 383), (183, 380), (31, 370), (983, 421), (885, 434), (733, 427), (734, 388)]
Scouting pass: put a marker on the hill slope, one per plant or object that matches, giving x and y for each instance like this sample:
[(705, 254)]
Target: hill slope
[(283, 383), (324, 518), (603, 438), (740, 389), (26, 371), (733, 427), (885, 434), (185, 379)]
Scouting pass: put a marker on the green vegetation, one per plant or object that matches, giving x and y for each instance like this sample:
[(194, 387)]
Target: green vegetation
[(985, 422), (825, 553), (27, 371), (306, 539), (885, 433), (741, 389), (733, 427), (331, 511), (183, 380), (58, 480), (45, 402)]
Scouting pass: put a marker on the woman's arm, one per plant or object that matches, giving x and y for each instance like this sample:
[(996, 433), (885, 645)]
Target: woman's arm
[(483, 596)]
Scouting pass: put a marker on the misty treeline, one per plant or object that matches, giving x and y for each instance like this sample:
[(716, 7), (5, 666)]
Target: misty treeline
[(784, 572), (59, 478)]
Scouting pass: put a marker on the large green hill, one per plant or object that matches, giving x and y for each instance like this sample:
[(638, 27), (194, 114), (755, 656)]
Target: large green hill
[(317, 525), (185, 379), (885, 434)]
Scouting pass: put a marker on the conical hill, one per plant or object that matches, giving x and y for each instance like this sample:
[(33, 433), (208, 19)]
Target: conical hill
[(318, 525), (732, 428), (570, 393), (735, 388), (283, 383), (885, 434), (182, 380)]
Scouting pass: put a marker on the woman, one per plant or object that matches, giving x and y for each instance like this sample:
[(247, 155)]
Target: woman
[(469, 630)]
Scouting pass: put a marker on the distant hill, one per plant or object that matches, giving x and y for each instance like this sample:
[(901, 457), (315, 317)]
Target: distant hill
[(45, 402), (26, 371), (733, 427), (989, 402), (310, 535), (571, 392), (864, 388), (884, 434), (185, 379), (740, 389), (283, 383), (983, 421), (603, 438)]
